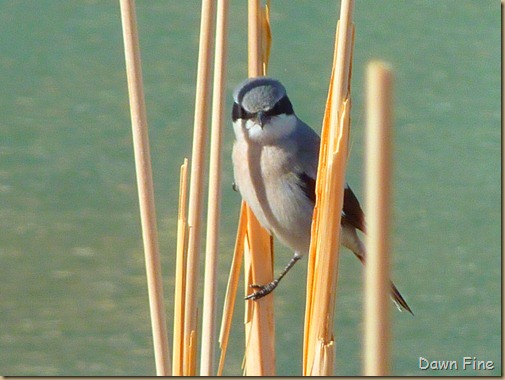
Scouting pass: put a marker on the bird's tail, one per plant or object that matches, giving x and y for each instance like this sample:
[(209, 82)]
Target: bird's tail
[(351, 240), (399, 301), (396, 296)]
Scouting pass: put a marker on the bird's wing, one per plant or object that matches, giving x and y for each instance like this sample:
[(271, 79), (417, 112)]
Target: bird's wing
[(352, 211), (307, 159), (308, 185)]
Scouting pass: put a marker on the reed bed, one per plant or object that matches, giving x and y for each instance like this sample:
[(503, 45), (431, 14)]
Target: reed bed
[(254, 246)]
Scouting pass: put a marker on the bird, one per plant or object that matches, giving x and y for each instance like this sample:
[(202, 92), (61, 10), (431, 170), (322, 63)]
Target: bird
[(275, 158)]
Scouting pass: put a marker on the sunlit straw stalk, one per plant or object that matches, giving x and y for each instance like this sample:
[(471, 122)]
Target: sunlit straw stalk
[(180, 274), (196, 185), (231, 289), (378, 203), (253, 242), (145, 186), (319, 341), (259, 357), (214, 197)]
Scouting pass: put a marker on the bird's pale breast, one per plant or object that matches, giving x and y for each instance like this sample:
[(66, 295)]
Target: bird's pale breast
[(266, 180)]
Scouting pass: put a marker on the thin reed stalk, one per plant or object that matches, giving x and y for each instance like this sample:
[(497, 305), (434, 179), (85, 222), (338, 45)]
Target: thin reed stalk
[(318, 350), (145, 186), (259, 358), (180, 274), (196, 185), (231, 289), (258, 248), (254, 62), (254, 244), (214, 197), (378, 202)]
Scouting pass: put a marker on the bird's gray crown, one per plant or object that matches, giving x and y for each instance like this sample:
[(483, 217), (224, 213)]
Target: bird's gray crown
[(259, 94)]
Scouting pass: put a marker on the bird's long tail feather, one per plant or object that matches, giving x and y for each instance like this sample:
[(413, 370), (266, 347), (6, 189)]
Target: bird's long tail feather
[(396, 296), (399, 300)]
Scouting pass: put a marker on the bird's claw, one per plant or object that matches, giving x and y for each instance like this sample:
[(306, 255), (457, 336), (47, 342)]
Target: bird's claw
[(262, 291)]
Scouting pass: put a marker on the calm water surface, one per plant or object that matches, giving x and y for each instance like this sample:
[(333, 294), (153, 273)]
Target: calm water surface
[(73, 298)]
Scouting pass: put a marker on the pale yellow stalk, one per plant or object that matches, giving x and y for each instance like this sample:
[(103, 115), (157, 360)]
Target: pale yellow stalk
[(319, 341), (378, 204), (259, 359), (214, 198), (180, 274), (196, 185), (145, 187), (253, 242), (231, 289)]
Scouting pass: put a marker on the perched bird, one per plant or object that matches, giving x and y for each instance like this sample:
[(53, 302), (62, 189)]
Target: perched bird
[(275, 157)]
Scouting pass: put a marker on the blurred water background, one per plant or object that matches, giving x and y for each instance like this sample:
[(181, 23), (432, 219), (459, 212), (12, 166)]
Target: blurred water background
[(73, 297)]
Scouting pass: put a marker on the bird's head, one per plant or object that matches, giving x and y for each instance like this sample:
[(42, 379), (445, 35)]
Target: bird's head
[(262, 107)]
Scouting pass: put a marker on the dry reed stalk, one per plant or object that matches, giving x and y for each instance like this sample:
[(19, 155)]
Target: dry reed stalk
[(378, 200), (259, 358), (145, 186), (231, 289), (266, 37), (196, 185), (214, 197), (254, 40), (180, 274), (253, 239), (318, 350)]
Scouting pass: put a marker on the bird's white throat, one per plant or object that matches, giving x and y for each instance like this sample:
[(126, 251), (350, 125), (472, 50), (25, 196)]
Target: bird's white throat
[(276, 128)]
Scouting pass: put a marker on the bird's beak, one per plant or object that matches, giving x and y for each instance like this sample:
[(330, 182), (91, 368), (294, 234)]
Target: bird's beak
[(261, 119)]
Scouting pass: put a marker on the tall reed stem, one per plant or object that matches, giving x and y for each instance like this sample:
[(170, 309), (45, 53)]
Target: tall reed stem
[(196, 184), (378, 204), (319, 345), (145, 186), (214, 199)]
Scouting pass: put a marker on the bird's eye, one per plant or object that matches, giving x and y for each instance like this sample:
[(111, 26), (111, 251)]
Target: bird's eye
[(238, 112), (283, 106)]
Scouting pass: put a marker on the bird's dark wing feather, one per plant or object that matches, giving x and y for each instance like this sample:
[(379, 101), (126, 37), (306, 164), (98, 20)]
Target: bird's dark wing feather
[(307, 158), (308, 186), (352, 211)]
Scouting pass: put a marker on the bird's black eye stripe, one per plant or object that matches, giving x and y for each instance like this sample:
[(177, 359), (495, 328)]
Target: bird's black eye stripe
[(238, 112), (283, 106)]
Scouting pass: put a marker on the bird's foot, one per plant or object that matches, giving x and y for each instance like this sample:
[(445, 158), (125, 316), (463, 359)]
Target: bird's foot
[(262, 291)]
